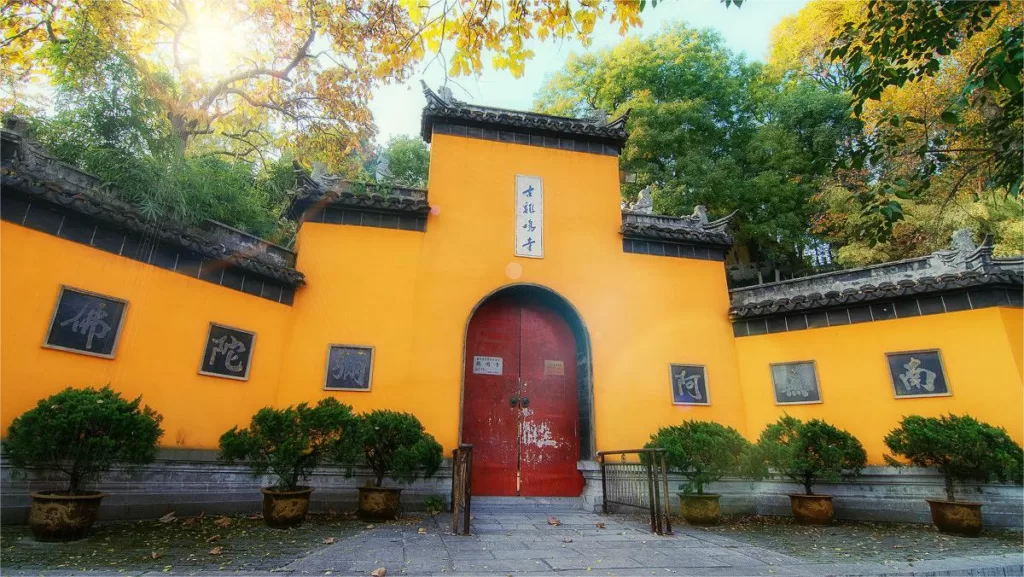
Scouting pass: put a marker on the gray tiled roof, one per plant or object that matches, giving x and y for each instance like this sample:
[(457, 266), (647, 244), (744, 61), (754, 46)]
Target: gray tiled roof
[(451, 110)]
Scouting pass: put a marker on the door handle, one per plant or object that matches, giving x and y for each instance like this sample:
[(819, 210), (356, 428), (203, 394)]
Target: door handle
[(513, 401), (525, 402)]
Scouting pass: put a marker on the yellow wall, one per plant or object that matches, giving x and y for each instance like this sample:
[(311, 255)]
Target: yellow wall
[(411, 294), (161, 344), (980, 350)]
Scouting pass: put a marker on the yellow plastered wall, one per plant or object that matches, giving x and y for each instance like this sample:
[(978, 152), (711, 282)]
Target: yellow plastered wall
[(980, 349), (161, 343), (410, 295)]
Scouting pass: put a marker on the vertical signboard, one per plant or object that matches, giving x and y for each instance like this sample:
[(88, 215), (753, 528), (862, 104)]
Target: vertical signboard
[(529, 216)]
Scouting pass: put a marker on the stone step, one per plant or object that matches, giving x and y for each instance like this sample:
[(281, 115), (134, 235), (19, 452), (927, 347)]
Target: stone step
[(526, 504)]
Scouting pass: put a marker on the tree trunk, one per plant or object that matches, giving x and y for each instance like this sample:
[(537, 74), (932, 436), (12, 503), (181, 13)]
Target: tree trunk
[(950, 493)]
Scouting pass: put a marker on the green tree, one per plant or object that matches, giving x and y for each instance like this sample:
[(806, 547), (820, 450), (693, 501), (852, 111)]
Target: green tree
[(110, 127), (394, 444), (976, 130), (701, 451), (960, 447), (810, 452), (82, 433), (407, 161), (709, 128), (291, 442)]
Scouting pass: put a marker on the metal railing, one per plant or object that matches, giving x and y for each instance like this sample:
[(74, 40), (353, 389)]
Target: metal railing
[(462, 473), (640, 482)]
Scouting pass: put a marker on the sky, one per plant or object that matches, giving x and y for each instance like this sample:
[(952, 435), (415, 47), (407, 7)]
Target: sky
[(396, 108)]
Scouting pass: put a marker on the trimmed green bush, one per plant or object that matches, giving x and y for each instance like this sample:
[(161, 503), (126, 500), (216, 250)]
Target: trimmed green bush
[(396, 445), (82, 433), (961, 448), (701, 451), (807, 453), (290, 443)]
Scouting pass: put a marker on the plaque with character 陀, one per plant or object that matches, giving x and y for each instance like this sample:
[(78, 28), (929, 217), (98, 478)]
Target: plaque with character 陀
[(227, 353)]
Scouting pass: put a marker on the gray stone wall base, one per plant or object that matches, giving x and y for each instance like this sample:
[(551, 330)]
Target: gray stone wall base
[(193, 482)]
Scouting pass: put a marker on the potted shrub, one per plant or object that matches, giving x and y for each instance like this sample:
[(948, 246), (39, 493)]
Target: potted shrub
[(701, 452), (79, 434), (395, 445), (809, 453), (962, 449), (289, 443)]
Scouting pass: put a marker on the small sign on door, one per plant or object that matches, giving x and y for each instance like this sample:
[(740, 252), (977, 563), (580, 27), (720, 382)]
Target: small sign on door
[(554, 368), (486, 365)]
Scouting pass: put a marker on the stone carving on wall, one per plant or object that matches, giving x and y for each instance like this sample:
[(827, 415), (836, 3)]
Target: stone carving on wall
[(917, 374), (227, 353), (86, 323), (349, 368), (795, 383), (689, 385)]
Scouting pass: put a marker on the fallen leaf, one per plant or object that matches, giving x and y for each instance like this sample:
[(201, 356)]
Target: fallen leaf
[(553, 521), (214, 538), (222, 522), (188, 522), (379, 572), (599, 525), (422, 531), (216, 550), (328, 540), (255, 516), (156, 555), (167, 518), (566, 539)]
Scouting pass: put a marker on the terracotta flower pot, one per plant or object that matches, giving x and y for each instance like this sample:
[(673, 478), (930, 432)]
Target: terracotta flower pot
[(55, 516), (812, 509), (379, 503), (700, 509), (285, 508), (956, 517)]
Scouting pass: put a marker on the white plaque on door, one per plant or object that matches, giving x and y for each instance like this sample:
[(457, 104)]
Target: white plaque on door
[(486, 365), (529, 216)]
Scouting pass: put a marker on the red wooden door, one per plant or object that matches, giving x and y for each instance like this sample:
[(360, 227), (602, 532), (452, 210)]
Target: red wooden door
[(523, 422)]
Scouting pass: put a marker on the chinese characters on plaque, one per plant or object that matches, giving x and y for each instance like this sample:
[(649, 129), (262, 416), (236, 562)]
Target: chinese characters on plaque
[(689, 385), (529, 216), (917, 374), (86, 323), (228, 353), (349, 368), (795, 383), (487, 365)]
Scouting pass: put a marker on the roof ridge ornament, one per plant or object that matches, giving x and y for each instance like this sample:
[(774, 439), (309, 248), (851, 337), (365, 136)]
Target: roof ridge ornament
[(620, 122), (434, 101)]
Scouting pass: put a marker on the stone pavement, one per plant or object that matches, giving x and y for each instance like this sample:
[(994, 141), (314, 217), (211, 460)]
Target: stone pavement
[(506, 542)]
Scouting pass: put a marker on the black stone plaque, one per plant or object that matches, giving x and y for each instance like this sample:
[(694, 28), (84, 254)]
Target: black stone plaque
[(85, 322), (228, 352), (349, 368), (689, 385), (795, 383), (917, 374)]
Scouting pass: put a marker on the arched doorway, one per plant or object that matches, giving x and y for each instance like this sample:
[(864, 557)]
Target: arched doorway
[(526, 406)]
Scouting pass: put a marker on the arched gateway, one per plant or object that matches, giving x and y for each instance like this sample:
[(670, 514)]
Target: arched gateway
[(526, 405)]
